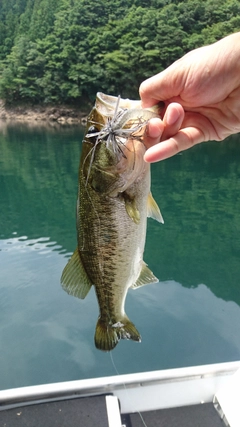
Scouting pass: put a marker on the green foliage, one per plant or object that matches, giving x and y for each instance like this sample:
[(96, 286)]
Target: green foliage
[(19, 78), (63, 50)]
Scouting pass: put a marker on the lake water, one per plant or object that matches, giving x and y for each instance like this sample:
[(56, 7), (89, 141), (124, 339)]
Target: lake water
[(191, 317)]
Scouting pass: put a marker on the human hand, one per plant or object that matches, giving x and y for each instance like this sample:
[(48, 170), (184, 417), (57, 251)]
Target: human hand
[(201, 92)]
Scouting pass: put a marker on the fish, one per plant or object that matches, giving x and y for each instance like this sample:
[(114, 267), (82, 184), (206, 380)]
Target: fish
[(114, 201)]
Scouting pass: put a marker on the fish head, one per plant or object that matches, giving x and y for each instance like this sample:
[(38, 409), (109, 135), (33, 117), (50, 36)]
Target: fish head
[(113, 145)]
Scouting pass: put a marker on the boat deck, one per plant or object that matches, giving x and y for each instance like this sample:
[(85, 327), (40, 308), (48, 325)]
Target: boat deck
[(204, 415), (92, 411), (115, 401), (86, 412)]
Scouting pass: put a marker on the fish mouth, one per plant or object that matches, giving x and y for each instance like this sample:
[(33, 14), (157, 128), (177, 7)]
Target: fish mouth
[(106, 104), (121, 120), (120, 126)]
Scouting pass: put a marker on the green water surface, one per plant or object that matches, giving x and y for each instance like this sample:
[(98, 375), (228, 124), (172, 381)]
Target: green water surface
[(191, 317)]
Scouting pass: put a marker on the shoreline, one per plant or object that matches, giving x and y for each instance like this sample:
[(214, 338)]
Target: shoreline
[(59, 114)]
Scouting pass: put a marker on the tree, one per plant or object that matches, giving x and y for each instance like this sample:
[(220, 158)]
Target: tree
[(64, 50)]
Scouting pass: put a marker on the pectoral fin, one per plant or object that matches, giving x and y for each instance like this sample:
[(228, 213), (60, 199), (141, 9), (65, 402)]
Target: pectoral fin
[(153, 210), (74, 278), (131, 208), (146, 277)]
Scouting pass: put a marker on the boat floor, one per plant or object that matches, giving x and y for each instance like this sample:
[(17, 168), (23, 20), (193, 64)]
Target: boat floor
[(91, 412), (204, 415)]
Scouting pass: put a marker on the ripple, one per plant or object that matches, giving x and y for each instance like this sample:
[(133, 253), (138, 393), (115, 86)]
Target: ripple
[(23, 244)]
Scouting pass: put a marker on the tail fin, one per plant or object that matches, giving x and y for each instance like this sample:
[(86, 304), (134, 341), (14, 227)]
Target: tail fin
[(107, 335)]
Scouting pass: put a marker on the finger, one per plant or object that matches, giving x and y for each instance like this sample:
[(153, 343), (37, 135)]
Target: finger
[(172, 120), (163, 86), (160, 130), (183, 140), (146, 91), (154, 131)]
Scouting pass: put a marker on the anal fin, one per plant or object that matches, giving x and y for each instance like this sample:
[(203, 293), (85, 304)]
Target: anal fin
[(74, 278), (145, 277)]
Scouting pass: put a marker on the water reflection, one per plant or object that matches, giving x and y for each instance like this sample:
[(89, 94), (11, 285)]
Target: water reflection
[(188, 325), (48, 336), (200, 240), (39, 326), (191, 317), (38, 181)]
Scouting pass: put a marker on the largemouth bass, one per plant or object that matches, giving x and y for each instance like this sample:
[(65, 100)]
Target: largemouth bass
[(114, 200)]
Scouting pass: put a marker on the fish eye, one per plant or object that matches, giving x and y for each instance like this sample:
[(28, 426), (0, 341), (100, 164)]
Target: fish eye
[(92, 129), (92, 134)]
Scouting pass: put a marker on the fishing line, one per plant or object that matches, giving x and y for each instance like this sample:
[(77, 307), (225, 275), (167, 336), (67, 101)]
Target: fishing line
[(92, 154), (126, 391)]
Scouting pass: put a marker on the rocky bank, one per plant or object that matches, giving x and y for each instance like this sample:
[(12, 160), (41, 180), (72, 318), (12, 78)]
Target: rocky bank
[(59, 114)]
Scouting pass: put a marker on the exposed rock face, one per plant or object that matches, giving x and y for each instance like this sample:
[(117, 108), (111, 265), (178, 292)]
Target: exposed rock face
[(61, 114)]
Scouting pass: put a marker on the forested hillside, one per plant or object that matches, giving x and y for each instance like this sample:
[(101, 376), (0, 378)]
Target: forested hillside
[(63, 51)]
